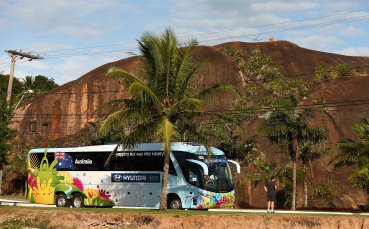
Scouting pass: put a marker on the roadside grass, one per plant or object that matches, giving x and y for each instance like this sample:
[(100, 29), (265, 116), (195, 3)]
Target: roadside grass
[(26, 223), (181, 213), (20, 198)]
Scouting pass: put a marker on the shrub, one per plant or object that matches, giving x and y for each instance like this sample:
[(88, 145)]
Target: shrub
[(26, 223), (324, 194), (322, 73), (343, 70)]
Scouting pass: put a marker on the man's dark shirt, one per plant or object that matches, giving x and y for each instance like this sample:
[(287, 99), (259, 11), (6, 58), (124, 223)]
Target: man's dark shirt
[(271, 186)]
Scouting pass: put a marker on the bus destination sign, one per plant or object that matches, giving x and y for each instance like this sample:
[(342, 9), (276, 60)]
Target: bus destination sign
[(135, 177)]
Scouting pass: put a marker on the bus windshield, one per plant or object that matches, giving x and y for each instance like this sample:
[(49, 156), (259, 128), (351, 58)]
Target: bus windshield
[(218, 179)]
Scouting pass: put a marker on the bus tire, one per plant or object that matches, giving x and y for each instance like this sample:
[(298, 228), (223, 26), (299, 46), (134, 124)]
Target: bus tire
[(61, 200), (174, 202), (77, 200)]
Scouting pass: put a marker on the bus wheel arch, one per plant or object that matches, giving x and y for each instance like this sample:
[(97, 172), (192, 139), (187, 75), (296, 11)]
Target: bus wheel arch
[(61, 200), (77, 200), (173, 201)]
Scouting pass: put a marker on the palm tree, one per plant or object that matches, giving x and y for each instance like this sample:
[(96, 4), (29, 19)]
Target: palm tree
[(356, 152), (162, 97), (288, 123), (311, 150), (29, 82)]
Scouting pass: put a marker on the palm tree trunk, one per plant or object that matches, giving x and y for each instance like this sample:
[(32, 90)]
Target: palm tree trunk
[(249, 191), (305, 187), (164, 183), (295, 155), (1, 179), (305, 194), (294, 169)]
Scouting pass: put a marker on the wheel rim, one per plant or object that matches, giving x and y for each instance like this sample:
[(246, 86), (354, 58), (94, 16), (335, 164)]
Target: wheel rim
[(175, 204), (77, 202), (61, 201)]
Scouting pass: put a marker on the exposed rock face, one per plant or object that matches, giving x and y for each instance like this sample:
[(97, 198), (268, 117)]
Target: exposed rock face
[(68, 109)]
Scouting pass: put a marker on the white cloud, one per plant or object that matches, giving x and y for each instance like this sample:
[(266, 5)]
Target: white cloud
[(317, 42), (35, 64), (280, 6), (64, 16), (2, 23), (72, 68), (353, 31), (20, 74), (357, 51)]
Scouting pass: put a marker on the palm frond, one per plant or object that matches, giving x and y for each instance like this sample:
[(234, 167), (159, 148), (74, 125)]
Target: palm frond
[(119, 73), (224, 87), (111, 106), (138, 88), (185, 70), (186, 102), (122, 119), (166, 132), (143, 132)]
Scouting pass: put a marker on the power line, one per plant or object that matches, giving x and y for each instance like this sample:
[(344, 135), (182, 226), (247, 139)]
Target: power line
[(365, 17), (292, 28), (337, 104), (201, 84), (207, 33)]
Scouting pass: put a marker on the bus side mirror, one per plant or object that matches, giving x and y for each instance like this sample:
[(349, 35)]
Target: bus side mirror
[(238, 167), (202, 164)]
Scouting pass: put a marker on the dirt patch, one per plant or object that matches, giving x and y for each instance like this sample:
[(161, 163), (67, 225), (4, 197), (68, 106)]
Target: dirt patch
[(15, 217)]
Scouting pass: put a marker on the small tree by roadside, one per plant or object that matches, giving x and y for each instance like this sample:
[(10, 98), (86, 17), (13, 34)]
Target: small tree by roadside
[(356, 153), (288, 124), (6, 134)]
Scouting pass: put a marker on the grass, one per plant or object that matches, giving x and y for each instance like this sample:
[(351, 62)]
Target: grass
[(176, 213), (26, 223), (20, 198)]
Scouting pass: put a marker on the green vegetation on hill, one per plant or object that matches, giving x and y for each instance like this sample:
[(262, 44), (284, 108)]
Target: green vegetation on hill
[(323, 73)]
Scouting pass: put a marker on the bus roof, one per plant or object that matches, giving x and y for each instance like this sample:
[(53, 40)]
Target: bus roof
[(175, 146)]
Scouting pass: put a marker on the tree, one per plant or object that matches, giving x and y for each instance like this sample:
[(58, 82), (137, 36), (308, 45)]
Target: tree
[(43, 84), (38, 84), (162, 101), (17, 86), (5, 132), (356, 152), (311, 150), (29, 82), (287, 123)]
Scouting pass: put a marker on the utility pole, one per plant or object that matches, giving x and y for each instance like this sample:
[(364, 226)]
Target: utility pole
[(14, 55)]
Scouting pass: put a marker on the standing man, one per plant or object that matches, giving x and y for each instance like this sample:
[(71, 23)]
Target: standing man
[(270, 188)]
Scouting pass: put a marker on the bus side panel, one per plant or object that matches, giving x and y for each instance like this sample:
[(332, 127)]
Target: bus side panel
[(195, 198), (42, 178), (207, 200)]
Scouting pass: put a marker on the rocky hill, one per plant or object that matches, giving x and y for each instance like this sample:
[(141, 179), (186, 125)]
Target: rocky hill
[(64, 113)]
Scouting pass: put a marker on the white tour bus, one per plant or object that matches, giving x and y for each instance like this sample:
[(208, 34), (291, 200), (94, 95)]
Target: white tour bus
[(107, 175)]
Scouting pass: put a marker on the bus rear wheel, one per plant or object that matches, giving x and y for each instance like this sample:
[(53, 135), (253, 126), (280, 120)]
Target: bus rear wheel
[(174, 202), (77, 200), (61, 200)]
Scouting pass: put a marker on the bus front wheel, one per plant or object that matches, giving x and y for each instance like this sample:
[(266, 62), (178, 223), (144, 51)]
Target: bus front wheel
[(174, 202), (61, 200), (77, 200)]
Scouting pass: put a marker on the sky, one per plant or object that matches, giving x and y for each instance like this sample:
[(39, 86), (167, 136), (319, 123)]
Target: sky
[(76, 36)]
